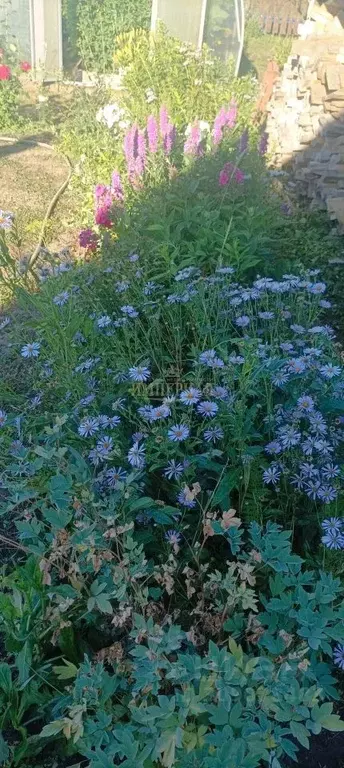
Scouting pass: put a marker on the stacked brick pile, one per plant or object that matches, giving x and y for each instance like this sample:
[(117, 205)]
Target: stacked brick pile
[(306, 113)]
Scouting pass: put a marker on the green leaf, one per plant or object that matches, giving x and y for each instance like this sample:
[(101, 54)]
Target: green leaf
[(300, 732), (57, 518), (5, 678), (67, 671), (23, 663), (4, 750), (332, 723), (103, 603), (52, 729)]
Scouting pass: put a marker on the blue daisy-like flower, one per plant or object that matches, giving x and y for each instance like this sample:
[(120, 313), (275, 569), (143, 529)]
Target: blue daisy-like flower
[(213, 434), (139, 373), (190, 396), (338, 656), (271, 475), (136, 456), (88, 427), (173, 537), (32, 349), (185, 499), (333, 539), (207, 408), (174, 470), (329, 371), (178, 433), (306, 403), (115, 475)]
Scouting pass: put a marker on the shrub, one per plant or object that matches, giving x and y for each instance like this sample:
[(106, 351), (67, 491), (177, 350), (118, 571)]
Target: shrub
[(190, 83), (100, 22)]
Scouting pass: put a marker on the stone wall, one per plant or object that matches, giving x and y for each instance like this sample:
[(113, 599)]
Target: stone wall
[(305, 118)]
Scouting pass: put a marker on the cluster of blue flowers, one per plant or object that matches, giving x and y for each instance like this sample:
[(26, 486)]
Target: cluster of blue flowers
[(261, 343)]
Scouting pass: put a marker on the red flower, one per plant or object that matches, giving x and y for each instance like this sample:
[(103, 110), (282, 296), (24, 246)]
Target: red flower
[(25, 66), (5, 72)]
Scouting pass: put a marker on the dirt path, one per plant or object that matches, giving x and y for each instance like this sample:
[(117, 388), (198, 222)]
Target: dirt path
[(29, 178)]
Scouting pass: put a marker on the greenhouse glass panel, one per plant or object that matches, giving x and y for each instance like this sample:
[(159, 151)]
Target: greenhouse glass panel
[(15, 25), (218, 23), (181, 17), (222, 31)]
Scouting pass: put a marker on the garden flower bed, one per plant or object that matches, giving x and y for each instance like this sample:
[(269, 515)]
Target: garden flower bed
[(171, 431)]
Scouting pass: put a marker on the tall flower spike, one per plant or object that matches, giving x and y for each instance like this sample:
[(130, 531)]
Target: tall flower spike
[(152, 134)]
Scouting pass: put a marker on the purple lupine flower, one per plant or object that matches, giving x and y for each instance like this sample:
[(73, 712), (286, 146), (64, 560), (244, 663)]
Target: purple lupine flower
[(192, 145), (140, 162), (116, 187), (100, 191), (169, 138), (243, 142), (263, 144), (131, 150), (164, 122), (231, 115), (152, 134)]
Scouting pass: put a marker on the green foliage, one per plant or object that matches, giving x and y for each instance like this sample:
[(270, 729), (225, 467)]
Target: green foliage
[(9, 102), (100, 22), (190, 83)]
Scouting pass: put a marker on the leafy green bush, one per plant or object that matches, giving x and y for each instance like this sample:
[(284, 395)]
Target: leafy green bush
[(190, 83), (100, 22)]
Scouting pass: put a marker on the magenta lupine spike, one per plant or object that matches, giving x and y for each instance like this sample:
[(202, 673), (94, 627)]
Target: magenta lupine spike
[(164, 122), (192, 145), (100, 191), (152, 134), (232, 114), (219, 124), (263, 143), (116, 187), (131, 151), (170, 137)]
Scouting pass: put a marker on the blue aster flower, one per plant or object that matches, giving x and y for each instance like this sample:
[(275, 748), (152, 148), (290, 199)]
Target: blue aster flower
[(333, 539), (174, 470), (317, 288), (266, 315), (306, 403), (32, 349), (296, 365), (327, 494), (220, 393), (88, 427), (136, 456), (338, 656), (312, 488), (271, 475), (185, 499), (243, 321), (115, 475), (329, 371), (208, 409), (127, 309), (236, 359), (104, 321), (178, 433), (173, 537), (213, 434), (61, 298), (330, 471), (160, 412), (190, 396), (274, 447), (288, 436), (104, 446), (139, 373)]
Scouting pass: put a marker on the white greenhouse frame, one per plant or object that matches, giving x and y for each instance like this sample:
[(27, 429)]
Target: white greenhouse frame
[(40, 10), (240, 24)]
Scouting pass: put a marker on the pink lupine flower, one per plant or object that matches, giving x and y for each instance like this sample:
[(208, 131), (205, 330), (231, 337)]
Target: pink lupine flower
[(192, 145), (169, 139), (219, 124), (152, 134), (116, 187), (164, 122), (229, 172), (102, 217), (231, 115)]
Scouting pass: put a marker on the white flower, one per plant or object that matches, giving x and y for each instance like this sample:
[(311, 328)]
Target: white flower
[(111, 114), (150, 95)]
